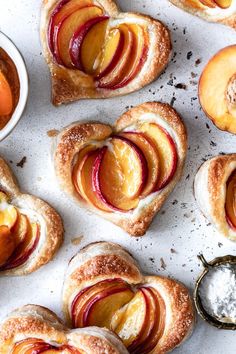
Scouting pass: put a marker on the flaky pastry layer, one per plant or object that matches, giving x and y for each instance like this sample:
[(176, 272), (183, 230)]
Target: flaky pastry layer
[(77, 135), (71, 85), (33, 321), (51, 227), (224, 16), (210, 187), (105, 260)]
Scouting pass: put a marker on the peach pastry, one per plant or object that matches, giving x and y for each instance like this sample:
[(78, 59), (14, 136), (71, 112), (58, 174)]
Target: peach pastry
[(217, 89), (215, 192), (104, 287), (125, 172), (95, 51), (222, 11), (34, 329), (30, 230)]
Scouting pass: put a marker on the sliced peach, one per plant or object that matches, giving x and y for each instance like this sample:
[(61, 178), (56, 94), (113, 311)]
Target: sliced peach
[(119, 174), (230, 204), (38, 346), (8, 215), (138, 56), (29, 346), (150, 152), (60, 13), (25, 248), (115, 76), (159, 325), (166, 149), (86, 45), (20, 228), (138, 345), (83, 180), (68, 27), (7, 244), (84, 296), (208, 3), (80, 156), (102, 307), (196, 4), (6, 98), (111, 52), (217, 89), (129, 322), (224, 4)]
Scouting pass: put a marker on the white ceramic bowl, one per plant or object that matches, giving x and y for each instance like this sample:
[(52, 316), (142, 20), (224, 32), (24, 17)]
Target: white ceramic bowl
[(15, 55)]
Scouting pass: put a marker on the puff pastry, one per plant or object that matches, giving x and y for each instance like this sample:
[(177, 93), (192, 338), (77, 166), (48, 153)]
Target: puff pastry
[(131, 49), (209, 10), (214, 189), (123, 173), (30, 230), (104, 285), (35, 329)]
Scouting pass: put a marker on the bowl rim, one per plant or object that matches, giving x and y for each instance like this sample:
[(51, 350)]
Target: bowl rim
[(196, 296), (7, 44)]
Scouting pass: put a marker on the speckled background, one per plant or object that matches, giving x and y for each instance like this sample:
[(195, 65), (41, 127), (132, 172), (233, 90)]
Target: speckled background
[(179, 232)]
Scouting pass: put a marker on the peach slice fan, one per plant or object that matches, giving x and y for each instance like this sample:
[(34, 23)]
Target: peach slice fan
[(221, 11), (217, 89), (95, 51), (35, 329), (31, 231), (215, 193), (123, 173), (104, 287)]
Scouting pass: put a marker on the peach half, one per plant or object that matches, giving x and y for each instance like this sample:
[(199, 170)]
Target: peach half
[(217, 89)]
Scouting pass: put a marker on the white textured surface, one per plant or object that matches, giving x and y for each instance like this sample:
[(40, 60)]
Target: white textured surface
[(180, 225)]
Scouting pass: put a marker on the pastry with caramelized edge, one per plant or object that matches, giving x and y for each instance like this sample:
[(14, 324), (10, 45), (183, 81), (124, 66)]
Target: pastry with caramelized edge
[(95, 51), (31, 231), (215, 193), (123, 173), (104, 287), (222, 11), (34, 329), (217, 89)]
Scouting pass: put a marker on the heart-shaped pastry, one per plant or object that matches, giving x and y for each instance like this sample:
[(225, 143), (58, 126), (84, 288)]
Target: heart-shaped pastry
[(104, 287), (95, 51), (30, 230), (222, 11), (123, 173), (215, 193), (34, 329)]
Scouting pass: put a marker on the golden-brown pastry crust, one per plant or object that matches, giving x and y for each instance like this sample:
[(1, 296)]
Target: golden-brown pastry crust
[(210, 191), (224, 16), (71, 85), (32, 321), (51, 234), (73, 138), (180, 315)]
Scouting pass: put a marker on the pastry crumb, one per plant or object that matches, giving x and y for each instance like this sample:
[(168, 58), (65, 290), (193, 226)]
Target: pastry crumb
[(77, 240), (52, 133)]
